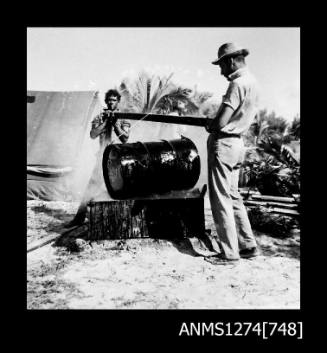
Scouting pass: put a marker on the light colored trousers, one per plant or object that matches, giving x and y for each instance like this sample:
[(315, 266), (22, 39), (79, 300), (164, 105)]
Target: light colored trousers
[(225, 156)]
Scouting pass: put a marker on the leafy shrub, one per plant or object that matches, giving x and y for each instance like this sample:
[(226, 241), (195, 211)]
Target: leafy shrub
[(271, 165), (276, 225)]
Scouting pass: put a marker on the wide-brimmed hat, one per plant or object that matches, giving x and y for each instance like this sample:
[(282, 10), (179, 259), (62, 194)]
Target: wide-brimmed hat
[(229, 49)]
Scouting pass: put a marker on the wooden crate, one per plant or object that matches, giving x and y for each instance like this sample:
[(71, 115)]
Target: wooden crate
[(160, 216)]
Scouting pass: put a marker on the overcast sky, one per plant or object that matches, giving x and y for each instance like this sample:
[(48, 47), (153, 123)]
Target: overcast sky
[(65, 59)]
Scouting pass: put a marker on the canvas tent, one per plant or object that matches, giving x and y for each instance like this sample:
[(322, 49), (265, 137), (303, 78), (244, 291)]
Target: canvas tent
[(60, 152)]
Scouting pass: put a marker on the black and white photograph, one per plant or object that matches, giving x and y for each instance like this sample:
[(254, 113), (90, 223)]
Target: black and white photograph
[(163, 168)]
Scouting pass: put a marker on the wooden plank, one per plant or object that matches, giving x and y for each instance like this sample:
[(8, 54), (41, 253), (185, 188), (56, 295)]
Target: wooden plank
[(245, 192), (281, 210), (284, 211), (43, 243), (160, 118), (270, 204), (273, 198), (52, 238)]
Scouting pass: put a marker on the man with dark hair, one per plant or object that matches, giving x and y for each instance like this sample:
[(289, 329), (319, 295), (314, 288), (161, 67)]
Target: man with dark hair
[(112, 93), (102, 126), (104, 123), (226, 153)]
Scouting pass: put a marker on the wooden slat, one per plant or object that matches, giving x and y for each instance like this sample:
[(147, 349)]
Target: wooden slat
[(245, 192), (280, 210), (82, 228), (284, 211), (273, 198), (270, 204), (160, 118)]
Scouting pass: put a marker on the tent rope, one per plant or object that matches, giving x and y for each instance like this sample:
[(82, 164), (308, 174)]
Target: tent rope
[(132, 127)]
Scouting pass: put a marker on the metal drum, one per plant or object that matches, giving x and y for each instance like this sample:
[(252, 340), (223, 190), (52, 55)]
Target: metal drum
[(140, 169)]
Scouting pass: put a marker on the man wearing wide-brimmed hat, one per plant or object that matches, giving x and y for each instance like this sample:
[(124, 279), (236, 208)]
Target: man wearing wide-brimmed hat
[(226, 153)]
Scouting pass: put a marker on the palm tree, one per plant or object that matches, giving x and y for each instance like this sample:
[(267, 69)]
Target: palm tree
[(294, 129), (272, 159), (201, 100), (291, 141), (150, 93)]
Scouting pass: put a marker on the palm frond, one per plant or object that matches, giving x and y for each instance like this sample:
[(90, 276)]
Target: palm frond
[(164, 88), (150, 93), (288, 156)]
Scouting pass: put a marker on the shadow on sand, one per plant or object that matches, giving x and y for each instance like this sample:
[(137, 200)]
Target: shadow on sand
[(268, 245)]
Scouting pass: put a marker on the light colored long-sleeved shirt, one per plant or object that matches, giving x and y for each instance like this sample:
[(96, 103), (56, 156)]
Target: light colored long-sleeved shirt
[(106, 137)]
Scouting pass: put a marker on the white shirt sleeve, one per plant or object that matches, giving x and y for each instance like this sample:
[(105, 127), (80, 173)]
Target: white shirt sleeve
[(232, 97)]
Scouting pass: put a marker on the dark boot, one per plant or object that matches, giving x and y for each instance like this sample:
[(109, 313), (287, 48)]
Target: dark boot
[(248, 253)]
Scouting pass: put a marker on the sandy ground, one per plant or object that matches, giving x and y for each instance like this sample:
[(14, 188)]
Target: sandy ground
[(153, 274)]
